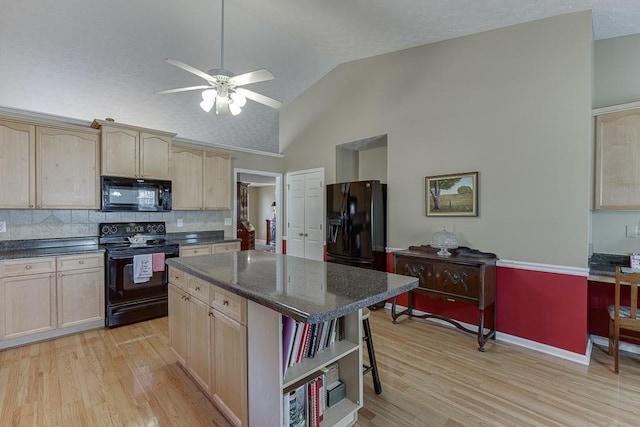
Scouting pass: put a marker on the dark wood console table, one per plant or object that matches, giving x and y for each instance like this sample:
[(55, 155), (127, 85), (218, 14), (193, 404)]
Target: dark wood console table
[(468, 275)]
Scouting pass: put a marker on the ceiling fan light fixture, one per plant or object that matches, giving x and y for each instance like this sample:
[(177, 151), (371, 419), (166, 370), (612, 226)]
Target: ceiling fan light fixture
[(238, 99), (207, 105), (209, 94), (235, 109)]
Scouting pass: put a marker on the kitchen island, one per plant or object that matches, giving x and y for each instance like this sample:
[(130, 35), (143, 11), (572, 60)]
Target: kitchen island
[(226, 313)]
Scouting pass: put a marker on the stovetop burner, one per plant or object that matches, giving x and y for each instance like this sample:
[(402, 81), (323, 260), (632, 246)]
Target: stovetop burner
[(115, 236)]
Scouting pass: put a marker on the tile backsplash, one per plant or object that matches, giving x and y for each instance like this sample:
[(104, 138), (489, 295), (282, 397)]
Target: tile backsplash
[(56, 223)]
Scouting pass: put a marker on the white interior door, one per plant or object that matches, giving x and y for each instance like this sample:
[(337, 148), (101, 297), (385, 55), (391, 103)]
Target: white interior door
[(305, 214), (313, 216), (295, 215)]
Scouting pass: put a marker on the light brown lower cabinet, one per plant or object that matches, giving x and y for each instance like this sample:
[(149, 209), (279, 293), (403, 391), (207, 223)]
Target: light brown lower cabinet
[(44, 297), (28, 305), (211, 343)]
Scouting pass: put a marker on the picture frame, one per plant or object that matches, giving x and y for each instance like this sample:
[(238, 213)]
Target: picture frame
[(452, 195)]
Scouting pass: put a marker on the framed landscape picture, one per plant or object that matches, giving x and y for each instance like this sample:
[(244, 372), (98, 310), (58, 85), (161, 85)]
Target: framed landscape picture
[(452, 195)]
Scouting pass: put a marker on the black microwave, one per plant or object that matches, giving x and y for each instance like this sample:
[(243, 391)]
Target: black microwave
[(135, 195)]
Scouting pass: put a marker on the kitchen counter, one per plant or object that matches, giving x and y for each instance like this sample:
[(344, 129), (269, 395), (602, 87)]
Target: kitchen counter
[(15, 249), (306, 290), (199, 238), (602, 267)]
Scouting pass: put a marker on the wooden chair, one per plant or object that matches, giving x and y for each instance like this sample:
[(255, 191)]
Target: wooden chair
[(623, 317)]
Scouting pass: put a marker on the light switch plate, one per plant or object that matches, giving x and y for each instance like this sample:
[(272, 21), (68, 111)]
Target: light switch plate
[(3, 227), (227, 221), (180, 222)]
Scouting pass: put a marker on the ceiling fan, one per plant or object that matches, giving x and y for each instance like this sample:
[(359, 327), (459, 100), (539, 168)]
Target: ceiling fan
[(223, 87)]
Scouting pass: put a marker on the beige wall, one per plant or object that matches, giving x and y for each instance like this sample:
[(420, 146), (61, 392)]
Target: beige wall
[(513, 104), (372, 164), (616, 81), (617, 71)]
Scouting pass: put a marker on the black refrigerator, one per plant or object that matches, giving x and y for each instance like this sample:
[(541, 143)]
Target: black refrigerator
[(357, 224)]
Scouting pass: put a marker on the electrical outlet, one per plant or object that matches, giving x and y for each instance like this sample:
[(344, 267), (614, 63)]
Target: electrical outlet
[(227, 221), (180, 222), (3, 227), (632, 231)]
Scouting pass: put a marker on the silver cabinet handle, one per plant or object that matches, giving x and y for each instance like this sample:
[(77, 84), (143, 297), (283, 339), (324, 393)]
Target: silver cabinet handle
[(198, 288), (81, 262), (225, 302), (28, 267)]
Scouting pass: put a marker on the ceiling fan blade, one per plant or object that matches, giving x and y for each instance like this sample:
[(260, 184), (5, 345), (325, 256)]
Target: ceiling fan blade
[(252, 77), (254, 96), (183, 89), (190, 69)]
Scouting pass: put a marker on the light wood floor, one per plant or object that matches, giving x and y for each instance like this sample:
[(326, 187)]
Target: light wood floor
[(431, 375)]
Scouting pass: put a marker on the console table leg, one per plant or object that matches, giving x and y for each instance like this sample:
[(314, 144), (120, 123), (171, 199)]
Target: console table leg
[(408, 311), (481, 340)]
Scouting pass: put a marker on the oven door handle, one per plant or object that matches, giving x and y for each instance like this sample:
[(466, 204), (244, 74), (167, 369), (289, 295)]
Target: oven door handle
[(118, 257)]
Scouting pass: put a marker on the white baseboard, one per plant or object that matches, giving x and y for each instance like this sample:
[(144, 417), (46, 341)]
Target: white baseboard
[(583, 359), (624, 346)]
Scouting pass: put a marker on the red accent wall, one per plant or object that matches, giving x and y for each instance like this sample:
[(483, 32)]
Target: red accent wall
[(548, 308)]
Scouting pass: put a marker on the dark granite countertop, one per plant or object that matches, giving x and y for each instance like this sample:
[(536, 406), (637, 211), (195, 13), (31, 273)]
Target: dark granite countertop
[(15, 249), (199, 238), (306, 290), (605, 264)]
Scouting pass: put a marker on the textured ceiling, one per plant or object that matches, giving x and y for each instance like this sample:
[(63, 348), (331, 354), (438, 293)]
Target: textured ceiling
[(96, 59)]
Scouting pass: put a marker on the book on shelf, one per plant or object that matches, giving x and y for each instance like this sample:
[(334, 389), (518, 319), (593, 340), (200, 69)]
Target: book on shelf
[(297, 407), (304, 340), (288, 335)]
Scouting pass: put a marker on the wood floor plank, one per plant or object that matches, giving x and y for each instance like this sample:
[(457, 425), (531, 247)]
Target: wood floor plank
[(431, 375)]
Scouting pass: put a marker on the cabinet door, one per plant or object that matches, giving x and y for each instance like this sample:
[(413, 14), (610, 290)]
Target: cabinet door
[(456, 280), (17, 165), (187, 191), (230, 354), (120, 151), (618, 160), (27, 305), (421, 269), (67, 169), (155, 156), (80, 296), (217, 181), (178, 320), (198, 341)]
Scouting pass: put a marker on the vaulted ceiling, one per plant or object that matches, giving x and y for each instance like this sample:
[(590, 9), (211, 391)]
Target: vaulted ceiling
[(86, 59)]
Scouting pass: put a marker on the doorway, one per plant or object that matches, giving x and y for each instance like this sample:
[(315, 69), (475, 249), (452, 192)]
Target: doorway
[(264, 205)]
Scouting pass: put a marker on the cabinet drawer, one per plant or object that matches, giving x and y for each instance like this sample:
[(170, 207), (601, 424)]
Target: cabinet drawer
[(178, 278), (229, 303), (225, 247), (458, 280), (423, 270), (195, 250), (26, 266), (199, 289), (80, 262)]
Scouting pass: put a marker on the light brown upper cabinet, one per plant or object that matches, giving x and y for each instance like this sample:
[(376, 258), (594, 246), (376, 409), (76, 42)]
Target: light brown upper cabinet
[(134, 152), (617, 174), (67, 169), (17, 165), (201, 179), (48, 167)]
